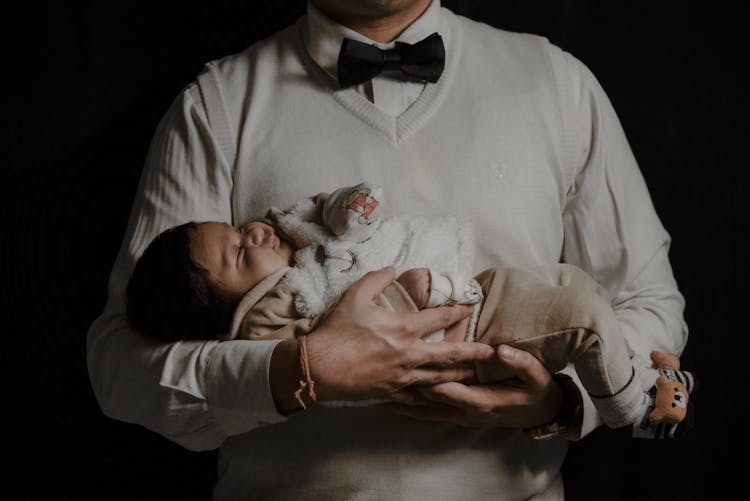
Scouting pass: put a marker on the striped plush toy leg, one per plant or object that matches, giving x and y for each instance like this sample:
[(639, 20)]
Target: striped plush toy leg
[(670, 410)]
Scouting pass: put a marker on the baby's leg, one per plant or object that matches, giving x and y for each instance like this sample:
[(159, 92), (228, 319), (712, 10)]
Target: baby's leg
[(560, 315)]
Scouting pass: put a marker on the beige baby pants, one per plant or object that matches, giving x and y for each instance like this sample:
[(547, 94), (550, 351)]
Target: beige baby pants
[(559, 314)]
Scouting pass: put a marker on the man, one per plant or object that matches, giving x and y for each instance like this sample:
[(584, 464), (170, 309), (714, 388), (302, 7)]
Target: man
[(507, 130)]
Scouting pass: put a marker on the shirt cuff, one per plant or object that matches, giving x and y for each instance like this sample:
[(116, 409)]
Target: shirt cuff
[(237, 386)]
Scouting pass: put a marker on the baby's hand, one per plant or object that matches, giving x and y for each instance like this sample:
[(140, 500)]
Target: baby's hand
[(417, 283), (353, 213)]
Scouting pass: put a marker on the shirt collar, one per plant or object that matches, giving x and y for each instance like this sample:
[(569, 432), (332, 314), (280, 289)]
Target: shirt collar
[(323, 35)]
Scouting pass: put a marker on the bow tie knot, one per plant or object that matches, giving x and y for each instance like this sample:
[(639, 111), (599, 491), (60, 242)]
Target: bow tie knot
[(359, 62)]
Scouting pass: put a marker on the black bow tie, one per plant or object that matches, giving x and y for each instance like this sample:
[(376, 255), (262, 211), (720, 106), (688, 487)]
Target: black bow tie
[(359, 62)]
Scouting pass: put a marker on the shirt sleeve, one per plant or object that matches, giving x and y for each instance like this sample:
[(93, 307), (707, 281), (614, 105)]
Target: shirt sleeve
[(611, 227), (274, 317), (193, 393)]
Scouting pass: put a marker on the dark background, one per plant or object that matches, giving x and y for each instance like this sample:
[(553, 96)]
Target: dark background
[(90, 80)]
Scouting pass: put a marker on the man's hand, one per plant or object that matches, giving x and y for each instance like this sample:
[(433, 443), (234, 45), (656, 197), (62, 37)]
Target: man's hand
[(530, 398), (365, 351)]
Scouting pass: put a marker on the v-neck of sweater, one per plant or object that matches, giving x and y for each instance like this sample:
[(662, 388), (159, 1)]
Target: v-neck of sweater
[(399, 128)]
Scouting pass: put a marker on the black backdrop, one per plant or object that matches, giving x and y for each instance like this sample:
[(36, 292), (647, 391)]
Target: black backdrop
[(90, 80)]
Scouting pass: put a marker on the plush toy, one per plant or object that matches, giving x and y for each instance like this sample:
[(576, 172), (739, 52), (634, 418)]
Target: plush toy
[(670, 403)]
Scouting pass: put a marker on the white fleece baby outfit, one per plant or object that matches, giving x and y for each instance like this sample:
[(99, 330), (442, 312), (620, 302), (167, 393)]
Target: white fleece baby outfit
[(342, 236)]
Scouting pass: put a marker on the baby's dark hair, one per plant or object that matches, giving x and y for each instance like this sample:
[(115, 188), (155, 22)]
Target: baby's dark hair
[(169, 297)]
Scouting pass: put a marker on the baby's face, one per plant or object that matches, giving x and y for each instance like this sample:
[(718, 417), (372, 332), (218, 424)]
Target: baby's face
[(238, 258)]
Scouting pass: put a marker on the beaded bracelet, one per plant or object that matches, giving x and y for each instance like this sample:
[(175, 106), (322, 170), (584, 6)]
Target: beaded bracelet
[(307, 382)]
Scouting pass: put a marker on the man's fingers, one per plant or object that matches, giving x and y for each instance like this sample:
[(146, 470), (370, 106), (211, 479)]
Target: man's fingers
[(454, 394), (408, 396), (431, 320), (444, 353), (496, 404), (431, 376), (372, 283), (524, 365), (471, 398)]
